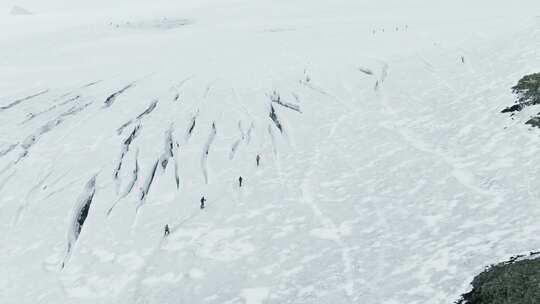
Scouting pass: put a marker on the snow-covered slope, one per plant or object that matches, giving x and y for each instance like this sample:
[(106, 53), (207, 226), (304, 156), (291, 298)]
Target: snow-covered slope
[(387, 173)]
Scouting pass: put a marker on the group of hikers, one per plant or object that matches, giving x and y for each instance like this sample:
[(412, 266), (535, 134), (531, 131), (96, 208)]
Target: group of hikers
[(203, 199)]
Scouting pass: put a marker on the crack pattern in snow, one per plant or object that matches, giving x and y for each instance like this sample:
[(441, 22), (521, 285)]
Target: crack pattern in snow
[(110, 100), (78, 218), (18, 101), (206, 150)]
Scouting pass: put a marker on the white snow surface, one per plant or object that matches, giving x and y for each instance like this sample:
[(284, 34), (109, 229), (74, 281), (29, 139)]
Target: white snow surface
[(397, 182), (17, 11)]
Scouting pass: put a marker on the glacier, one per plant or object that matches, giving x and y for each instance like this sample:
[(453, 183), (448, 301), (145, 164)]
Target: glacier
[(387, 172)]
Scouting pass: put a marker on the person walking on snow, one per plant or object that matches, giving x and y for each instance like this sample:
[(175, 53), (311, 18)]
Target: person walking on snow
[(167, 231), (258, 159), (240, 181), (202, 202)]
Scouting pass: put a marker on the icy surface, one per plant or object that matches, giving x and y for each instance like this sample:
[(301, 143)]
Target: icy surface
[(387, 175)]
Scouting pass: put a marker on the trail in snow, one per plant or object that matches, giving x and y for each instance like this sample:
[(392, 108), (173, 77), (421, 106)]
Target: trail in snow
[(326, 221), (462, 175), (30, 197)]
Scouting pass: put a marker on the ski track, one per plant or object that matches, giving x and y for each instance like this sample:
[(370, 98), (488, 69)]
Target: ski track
[(141, 274), (6, 179), (463, 176), (326, 221), (29, 198)]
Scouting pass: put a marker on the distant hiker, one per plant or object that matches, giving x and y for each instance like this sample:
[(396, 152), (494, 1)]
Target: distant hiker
[(167, 231), (462, 59), (258, 159), (202, 202), (240, 181)]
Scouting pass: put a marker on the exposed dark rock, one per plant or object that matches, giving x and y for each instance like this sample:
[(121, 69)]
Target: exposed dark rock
[(534, 122), (528, 92), (516, 281)]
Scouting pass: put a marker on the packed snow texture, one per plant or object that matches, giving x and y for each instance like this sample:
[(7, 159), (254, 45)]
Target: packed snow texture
[(18, 11), (387, 172)]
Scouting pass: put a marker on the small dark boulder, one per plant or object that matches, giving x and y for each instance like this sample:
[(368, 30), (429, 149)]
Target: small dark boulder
[(514, 108), (534, 122)]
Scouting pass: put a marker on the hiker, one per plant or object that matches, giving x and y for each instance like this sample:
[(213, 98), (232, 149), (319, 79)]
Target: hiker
[(167, 231), (258, 159), (240, 181), (202, 202), (462, 59)]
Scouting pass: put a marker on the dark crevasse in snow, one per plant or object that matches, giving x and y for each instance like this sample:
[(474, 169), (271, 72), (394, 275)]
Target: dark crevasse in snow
[(92, 83), (130, 185), (273, 139), (32, 139), (84, 214), (18, 101), (31, 116), (206, 150), (110, 100), (191, 127), (366, 71), (237, 142), (169, 154), (147, 111), (79, 216), (249, 132), (176, 174), (148, 183), (125, 148), (234, 148), (275, 119), (276, 98), (169, 148)]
